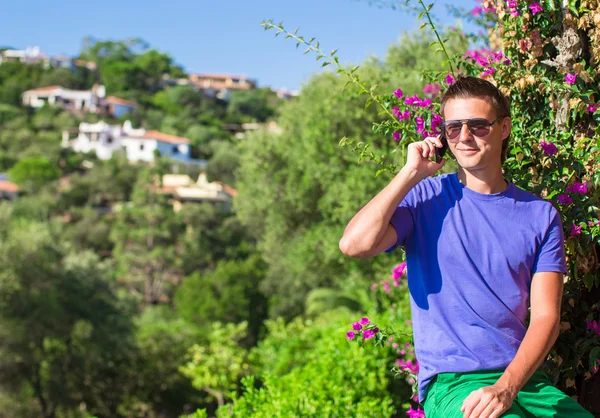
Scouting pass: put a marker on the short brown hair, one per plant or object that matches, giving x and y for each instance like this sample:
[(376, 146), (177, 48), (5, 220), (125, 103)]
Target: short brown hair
[(473, 87)]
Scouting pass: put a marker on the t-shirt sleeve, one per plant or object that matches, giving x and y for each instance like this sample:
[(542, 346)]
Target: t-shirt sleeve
[(403, 219), (550, 256)]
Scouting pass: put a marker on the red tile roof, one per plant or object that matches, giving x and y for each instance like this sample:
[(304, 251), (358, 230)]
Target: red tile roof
[(119, 101), (164, 137), (48, 88), (228, 189), (7, 186)]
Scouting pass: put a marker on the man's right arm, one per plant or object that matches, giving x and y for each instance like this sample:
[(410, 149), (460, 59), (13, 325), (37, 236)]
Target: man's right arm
[(369, 232)]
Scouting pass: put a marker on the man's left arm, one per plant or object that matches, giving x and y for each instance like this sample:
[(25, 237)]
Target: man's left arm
[(546, 295)]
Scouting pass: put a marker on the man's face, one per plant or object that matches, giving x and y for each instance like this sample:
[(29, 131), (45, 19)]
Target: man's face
[(473, 152)]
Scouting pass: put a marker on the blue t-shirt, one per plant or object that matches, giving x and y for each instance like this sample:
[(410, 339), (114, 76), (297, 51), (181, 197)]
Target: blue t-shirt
[(470, 259)]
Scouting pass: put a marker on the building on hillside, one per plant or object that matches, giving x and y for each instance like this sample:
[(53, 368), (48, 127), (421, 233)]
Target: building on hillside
[(87, 101), (136, 144), (241, 130), (144, 146), (29, 55), (118, 107), (8, 190), (101, 138), (181, 189), (76, 100), (286, 94), (60, 61), (33, 55), (214, 85), (90, 65)]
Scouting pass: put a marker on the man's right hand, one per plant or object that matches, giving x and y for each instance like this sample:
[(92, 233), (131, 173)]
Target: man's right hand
[(419, 154)]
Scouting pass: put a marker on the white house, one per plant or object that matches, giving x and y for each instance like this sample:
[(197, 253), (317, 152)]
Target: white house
[(83, 100), (92, 101), (137, 144), (29, 55), (144, 146)]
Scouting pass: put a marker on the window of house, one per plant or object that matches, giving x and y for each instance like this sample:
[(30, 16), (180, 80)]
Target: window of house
[(175, 149), (141, 147)]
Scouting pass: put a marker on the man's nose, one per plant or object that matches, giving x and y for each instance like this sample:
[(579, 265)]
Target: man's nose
[(465, 133)]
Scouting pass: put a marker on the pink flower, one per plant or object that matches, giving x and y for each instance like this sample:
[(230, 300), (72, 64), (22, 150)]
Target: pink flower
[(514, 13), (401, 115), (549, 148), (450, 79), (575, 230), (488, 71), (577, 187), (399, 270), (570, 78), (411, 100), (364, 321), (350, 335), (420, 124), (535, 8), (477, 11), (408, 365), (512, 4), (374, 286), (402, 352), (507, 61), (596, 367), (369, 333), (564, 199), (415, 413), (592, 107), (397, 136), (436, 122), (592, 326), (395, 346), (386, 287), (356, 326), (398, 93)]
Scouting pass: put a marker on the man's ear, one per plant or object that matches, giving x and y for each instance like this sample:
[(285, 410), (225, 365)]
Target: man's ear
[(506, 127)]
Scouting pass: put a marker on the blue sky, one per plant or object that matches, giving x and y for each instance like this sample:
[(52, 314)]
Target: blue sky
[(215, 36)]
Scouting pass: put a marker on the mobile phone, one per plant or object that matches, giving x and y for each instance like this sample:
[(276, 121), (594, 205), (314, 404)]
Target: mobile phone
[(440, 152)]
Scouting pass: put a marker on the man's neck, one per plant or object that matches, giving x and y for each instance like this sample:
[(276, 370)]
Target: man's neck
[(483, 181)]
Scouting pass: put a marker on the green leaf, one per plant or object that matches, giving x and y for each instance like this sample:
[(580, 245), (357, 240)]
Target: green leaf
[(325, 64)]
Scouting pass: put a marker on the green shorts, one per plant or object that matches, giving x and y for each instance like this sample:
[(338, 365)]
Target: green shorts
[(537, 399)]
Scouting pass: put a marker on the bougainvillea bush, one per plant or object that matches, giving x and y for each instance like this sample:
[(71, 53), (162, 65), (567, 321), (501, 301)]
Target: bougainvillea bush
[(545, 56)]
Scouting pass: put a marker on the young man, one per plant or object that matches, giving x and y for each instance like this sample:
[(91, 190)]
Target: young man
[(480, 252)]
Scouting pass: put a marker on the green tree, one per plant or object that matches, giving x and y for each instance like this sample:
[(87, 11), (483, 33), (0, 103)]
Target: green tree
[(64, 335), (33, 173), (217, 367), (228, 294), (145, 235), (255, 105)]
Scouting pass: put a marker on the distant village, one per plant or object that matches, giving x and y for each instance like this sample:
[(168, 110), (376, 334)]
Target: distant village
[(137, 144)]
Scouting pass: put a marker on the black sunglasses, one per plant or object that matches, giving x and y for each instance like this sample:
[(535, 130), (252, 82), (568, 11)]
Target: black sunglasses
[(479, 127)]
